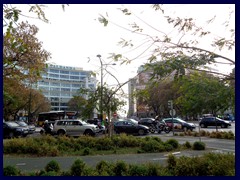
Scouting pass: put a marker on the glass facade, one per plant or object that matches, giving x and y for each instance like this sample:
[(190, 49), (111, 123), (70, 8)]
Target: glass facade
[(60, 83)]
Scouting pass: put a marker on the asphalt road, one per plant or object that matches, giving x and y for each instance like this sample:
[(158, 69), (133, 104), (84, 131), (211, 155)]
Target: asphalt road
[(38, 163)]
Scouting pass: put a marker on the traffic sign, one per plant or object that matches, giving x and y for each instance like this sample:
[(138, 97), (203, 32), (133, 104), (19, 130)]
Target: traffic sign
[(172, 112)]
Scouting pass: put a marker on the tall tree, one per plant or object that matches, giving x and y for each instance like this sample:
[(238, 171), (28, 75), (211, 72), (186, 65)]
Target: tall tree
[(179, 47), (203, 93)]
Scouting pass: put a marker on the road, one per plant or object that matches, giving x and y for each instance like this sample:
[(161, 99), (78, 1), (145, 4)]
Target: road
[(38, 163)]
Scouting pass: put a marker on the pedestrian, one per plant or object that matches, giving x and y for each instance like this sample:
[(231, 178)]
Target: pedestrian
[(47, 127)]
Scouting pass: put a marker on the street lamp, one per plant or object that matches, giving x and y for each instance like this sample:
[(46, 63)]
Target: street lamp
[(101, 100)]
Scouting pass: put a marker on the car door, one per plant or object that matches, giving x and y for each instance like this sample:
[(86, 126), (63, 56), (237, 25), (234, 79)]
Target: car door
[(77, 128), (130, 128), (211, 121), (120, 127), (5, 130)]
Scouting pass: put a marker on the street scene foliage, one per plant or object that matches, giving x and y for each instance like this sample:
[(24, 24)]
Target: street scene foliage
[(206, 165)]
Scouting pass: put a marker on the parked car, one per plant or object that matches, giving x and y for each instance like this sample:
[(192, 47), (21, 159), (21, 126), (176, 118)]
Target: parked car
[(98, 123), (74, 128), (31, 128), (129, 127), (179, 124), (12, 129), (229, 117), (213, 121), (149, 122), (127, 119)]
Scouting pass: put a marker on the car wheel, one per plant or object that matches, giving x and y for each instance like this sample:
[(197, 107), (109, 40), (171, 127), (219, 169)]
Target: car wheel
[(88, 133), (141, 132), (152, 129), (203, 126), (224, 126), (60, 133), (11, 135)]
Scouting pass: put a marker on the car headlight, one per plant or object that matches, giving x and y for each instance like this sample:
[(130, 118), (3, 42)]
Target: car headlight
[(19, 130)]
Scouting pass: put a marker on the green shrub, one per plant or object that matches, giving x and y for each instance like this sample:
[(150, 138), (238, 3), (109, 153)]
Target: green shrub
[(10, 171), (77, 168), (187, 144), (171, 162), (104, 168), (168, 147), (173, 142), (50, 173), (52, 166), (104, 144), (137, 170), (124, 140), (150, 146), (198, 145), (120, 168), (220, 164), (152, 169), (86, 151)]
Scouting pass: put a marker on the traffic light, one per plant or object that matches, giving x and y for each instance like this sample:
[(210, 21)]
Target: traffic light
[(170, 104)]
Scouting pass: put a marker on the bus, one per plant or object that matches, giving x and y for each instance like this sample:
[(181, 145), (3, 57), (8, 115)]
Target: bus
[(51, 116)]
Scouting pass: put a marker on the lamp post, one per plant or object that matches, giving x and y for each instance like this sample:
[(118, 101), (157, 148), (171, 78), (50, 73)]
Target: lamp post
[(101, 93), (101, 88)]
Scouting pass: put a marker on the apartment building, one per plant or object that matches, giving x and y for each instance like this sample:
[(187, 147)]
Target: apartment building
[(60, 83)]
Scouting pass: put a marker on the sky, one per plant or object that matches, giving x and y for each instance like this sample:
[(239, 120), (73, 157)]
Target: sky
[(75, 37)]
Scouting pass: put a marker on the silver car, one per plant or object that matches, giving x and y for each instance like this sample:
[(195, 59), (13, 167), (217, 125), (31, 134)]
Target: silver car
[(74, 128)]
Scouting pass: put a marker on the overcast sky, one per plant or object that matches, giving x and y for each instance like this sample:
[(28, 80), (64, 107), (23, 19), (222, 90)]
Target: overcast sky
[(75, 35)]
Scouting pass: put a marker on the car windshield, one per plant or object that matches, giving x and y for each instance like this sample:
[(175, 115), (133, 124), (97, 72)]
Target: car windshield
[(83, 122), (22, 123), (133, 121), (13, 124), (219, 119), (180, 120)]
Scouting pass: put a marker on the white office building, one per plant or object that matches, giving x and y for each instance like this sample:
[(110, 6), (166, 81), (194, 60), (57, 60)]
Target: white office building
[(60, 83)]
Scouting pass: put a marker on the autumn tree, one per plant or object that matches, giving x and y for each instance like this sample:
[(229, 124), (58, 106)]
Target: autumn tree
[(17, 96), (23, 61)]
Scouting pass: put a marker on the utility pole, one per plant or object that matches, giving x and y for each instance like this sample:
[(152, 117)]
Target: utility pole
[(171, 112), (101, 88)]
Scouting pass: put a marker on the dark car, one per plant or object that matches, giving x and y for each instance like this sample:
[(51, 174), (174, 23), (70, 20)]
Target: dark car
[(94, 121), (12, 129), (179, 124), (213, 121), (149, 122), (130, 127), (31, 128)]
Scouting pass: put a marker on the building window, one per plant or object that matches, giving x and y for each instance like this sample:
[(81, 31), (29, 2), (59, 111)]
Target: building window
[(64, 76), (76, 85), (54, 71), (74, 73), (65, 85), (54, 93), (74, 77), (55, 84), (64, 72), (53, 75)]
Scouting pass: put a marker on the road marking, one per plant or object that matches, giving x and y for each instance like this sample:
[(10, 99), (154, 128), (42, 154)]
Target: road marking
[(21, 164), (172, 153)]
